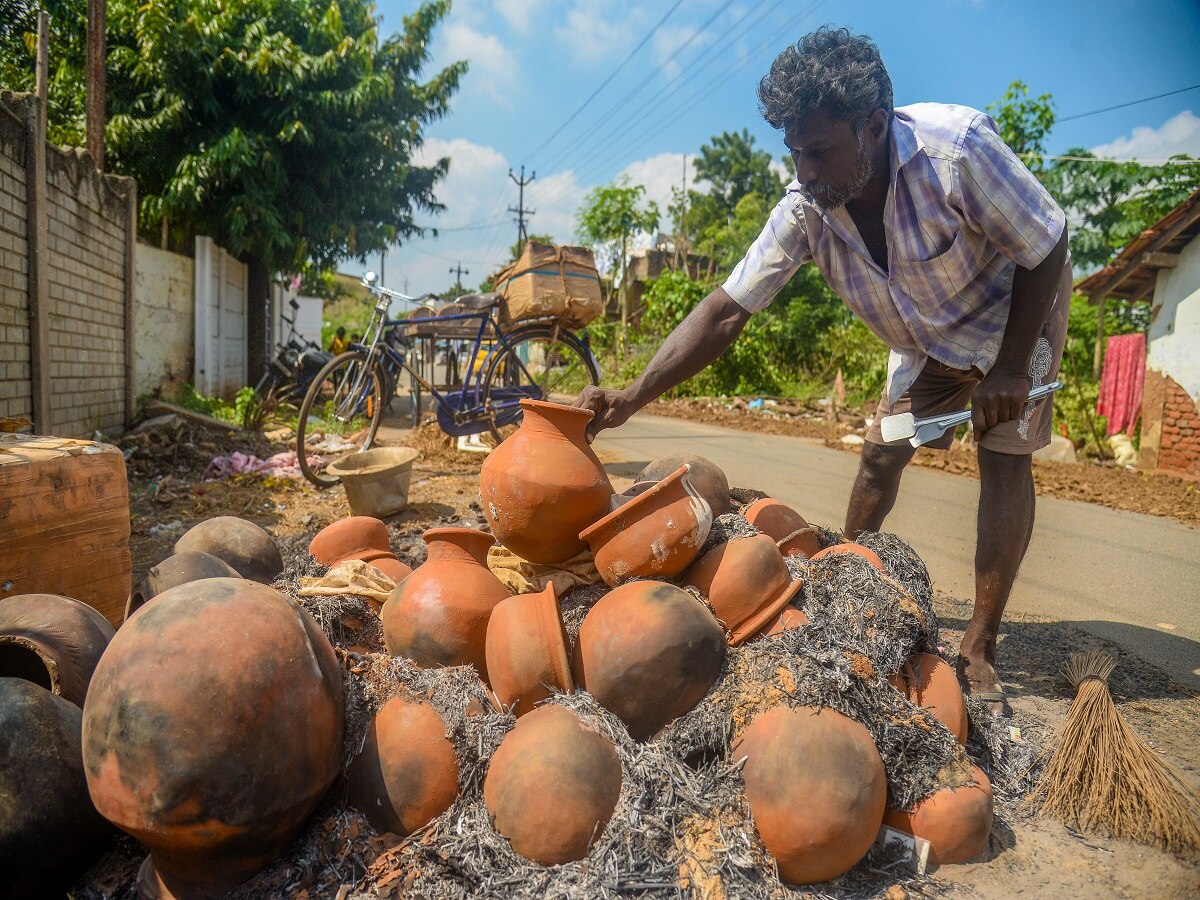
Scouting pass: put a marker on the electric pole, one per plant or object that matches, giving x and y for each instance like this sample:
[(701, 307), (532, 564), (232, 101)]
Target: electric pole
[(521, 211), (458, 272)]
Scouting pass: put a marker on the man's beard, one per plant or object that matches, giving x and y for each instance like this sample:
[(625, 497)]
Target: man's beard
[(828, 196)]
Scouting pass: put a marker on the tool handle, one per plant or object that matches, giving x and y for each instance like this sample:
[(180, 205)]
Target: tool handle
[(1043, 389)]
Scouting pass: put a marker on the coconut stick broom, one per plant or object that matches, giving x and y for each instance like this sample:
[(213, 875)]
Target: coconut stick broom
[(1103, 777)]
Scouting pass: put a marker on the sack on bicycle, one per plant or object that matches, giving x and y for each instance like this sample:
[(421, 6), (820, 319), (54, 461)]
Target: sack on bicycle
[(551, 280)]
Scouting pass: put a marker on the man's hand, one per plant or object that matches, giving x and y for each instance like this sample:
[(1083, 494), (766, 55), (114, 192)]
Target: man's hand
[(612, 408), (1000, 397)]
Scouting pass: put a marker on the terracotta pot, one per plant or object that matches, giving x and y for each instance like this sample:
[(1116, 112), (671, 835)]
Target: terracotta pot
[(957, 822), (174, 571), (212, 729), (552, 786), (544, 485), (855, 549), (656, 534), (787, 527), (747, 584), (355, 537), (791, 617), (816, 788), (407, 772), (438, 615), (245, 546), (53, 641), (527, 651), (49, 831), (391, 567), (706, 476), (929, 681), (648, 652)]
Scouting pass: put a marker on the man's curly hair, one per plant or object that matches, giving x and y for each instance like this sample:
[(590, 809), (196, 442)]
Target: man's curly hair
[(830, 71)]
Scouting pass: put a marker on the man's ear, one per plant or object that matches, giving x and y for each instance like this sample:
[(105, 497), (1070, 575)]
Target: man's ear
[(877, 126)]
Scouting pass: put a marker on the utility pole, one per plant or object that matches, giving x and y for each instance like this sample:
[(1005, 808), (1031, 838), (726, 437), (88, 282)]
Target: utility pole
[(458, 272), (521, 211), (94, 102)]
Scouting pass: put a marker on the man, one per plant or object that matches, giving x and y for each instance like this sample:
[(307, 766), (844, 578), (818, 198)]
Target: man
[(339, 344), (937, 236)]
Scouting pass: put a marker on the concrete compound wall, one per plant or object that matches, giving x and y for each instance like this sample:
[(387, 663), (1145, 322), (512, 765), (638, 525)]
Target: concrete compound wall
[(16, 399), (164, 286)]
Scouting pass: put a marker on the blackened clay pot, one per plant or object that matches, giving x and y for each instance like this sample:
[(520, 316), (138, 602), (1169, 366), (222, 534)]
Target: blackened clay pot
[(174, 571), (52, 641), (245, 546)]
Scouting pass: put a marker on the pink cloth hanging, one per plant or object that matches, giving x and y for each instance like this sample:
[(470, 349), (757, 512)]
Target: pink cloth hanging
[(1121, 382)]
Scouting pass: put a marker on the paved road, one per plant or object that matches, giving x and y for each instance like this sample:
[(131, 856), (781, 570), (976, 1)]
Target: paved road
[(1131, 578)]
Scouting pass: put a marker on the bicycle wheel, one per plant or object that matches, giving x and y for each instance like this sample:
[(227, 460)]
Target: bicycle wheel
[(539, 363), (340, 414)]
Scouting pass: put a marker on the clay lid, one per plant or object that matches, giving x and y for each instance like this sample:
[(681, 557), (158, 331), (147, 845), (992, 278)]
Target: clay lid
[(355, 537), (851, 548)]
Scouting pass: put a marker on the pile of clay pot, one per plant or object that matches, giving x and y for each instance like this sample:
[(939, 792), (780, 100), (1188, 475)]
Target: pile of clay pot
[(216, 716)]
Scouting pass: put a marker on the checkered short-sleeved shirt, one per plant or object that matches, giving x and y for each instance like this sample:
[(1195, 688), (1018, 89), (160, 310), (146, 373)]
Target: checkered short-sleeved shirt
[(962, 212)]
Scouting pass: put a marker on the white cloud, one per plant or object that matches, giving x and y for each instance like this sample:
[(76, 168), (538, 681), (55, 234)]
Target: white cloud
[(521, 14), (669, 40), (595, 29), (1179, 134), (470, 166), (493, 68), (660, 174)]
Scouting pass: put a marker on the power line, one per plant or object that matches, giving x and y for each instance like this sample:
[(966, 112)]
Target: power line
[(1097, 159), (1096, 112)]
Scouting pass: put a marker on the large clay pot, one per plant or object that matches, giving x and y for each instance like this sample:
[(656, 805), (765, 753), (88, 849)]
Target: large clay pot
[(544, 485), (438, 615), (816, 788), (49, 831), (358, 537), (527, 651), (52, 641), (706, 476), (656, 534), (849, 547), (174, 571), (929, 681), (791, 617), (648, 652), (212, 729), (407, 772), (245, 546), (552, 786), (786, 527), (747, 584), (957, 822)]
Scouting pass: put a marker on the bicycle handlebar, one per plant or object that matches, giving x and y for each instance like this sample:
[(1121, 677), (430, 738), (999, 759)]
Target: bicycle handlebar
[(368, 281)]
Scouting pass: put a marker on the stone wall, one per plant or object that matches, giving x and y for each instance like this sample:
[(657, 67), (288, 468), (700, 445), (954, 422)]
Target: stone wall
[(1180, 447)]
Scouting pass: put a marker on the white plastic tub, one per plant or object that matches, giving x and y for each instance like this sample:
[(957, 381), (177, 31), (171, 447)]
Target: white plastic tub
[(376, 481)]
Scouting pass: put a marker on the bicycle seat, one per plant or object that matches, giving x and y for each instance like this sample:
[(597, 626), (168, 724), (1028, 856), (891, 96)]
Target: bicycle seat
[(477, 301)]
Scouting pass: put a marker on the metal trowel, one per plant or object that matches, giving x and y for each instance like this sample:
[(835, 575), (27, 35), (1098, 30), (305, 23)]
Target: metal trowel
[(903, 426)]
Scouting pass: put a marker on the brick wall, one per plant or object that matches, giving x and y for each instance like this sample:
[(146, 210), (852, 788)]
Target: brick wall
[(1179, 446), (16, 398)]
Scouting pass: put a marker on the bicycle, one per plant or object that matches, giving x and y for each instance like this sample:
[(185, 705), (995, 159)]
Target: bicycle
[(537, 360)]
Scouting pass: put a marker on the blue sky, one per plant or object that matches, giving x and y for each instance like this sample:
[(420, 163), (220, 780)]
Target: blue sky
[(533, 63)]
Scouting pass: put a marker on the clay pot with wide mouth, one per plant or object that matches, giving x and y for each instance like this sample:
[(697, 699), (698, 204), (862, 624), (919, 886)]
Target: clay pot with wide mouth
[(929, 681), (438, 615), (358, 537), (816, 787), (544, 485), (648, 652), (706, 476), (747, 584), (245, 546), (656, 534), (49, 830), (552, 786), (849, 547), (211, 730), (791, 617), (957, 821), (527, 651), (407, 772), (791, 533), (174, 571), (53, 641)]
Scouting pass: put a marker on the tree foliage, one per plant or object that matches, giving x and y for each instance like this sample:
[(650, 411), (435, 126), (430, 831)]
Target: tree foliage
[(66, 86), (1024, 123), (612, 214)]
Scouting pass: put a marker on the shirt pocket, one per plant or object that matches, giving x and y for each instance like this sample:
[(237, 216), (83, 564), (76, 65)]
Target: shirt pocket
[(941, 279)]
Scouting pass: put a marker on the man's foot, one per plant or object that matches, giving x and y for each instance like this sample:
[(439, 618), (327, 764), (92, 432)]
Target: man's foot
[(979, 680)]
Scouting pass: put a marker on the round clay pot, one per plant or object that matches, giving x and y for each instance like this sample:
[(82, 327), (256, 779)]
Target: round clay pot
[(544, 485), (957, 822), (391, 567), (49, 831), (407, 772), (552, 786), (855, 549), (787, 527), (527, 651), (657, 533), (438, 615), (648, 652), (747, 584), (212, 728), (816, 788), (53, 641), (929, 681), (355, 537), (245, 546), (791, 617), (706, 476), (174, 571)]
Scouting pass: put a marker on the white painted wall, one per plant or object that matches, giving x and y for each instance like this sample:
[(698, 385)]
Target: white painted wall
[(1175, 328), (164, 319), (220, 316)]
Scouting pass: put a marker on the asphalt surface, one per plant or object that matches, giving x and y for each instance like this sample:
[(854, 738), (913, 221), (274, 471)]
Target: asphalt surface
[(1130, 578)]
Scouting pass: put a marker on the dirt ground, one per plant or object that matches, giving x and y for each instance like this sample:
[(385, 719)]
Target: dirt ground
[(1027, 856)]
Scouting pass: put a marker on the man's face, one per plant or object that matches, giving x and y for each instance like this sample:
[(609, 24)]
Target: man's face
[(833, 163)]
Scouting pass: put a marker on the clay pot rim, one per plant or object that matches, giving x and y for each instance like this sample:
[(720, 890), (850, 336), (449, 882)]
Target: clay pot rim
[(449, 532), (763, 617), (541, 406), (553, 630), (637, 503), (784, 542), (764, 501)]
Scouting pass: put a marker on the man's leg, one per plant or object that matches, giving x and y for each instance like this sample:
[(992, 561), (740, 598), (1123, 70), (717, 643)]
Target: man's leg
[(876, 485)]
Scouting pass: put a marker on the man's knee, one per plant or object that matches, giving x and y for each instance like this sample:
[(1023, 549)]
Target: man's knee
[(1004, 466), (883, 464)]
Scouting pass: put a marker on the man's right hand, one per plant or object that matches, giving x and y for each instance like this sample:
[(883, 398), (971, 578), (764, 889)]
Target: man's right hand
[(612, 408)]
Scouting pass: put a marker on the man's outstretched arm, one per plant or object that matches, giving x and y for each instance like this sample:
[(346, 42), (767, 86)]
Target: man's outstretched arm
[(707, 332)]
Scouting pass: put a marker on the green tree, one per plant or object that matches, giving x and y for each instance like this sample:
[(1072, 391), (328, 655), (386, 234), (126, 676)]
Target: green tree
[(66, 91), (515, 250), (733, 168), (1024, 122)]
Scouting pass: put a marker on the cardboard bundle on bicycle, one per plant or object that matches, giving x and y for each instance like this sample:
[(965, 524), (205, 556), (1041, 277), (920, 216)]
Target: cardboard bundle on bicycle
[(551, 281)]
